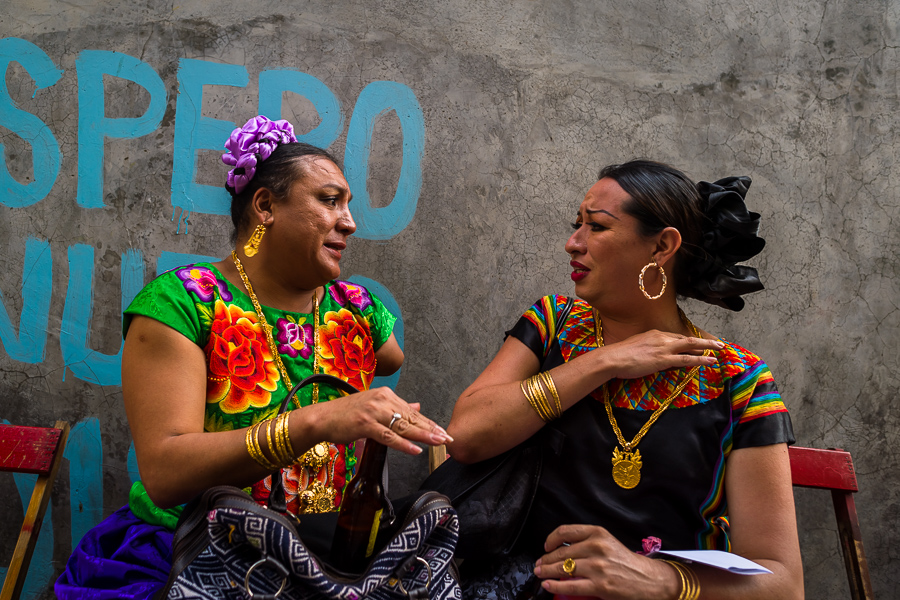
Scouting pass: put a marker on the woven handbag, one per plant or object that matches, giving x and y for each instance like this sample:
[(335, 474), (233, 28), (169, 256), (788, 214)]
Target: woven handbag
[(229, 547)]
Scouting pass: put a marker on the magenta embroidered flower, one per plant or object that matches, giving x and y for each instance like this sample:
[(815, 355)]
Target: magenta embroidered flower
[(203, 283), (345, 292), (295, 339), (251, 144)]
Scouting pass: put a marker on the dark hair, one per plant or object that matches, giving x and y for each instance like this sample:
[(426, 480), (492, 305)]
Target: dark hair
[(662, 196), (276, 174), (717, 230)]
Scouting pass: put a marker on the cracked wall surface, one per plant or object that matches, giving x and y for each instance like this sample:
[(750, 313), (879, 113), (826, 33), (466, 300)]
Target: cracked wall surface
[(523, 102)]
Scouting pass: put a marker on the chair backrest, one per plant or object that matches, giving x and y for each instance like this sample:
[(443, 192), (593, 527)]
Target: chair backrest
[(833, 470), (36, 450)]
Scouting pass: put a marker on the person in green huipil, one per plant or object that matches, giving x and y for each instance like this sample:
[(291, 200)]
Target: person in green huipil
[(212, 349)]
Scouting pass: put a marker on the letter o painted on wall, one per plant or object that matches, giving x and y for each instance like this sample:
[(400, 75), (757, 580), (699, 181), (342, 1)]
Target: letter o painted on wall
[(376, 99)]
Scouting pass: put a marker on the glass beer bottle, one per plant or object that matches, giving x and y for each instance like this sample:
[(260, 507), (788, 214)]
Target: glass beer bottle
[(360, 515)]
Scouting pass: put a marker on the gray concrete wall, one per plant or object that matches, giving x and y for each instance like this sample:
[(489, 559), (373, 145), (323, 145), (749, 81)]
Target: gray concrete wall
[(506, 110)]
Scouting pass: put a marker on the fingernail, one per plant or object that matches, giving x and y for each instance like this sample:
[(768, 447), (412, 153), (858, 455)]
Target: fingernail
[(417, 449), (538, 563), (720, 344)]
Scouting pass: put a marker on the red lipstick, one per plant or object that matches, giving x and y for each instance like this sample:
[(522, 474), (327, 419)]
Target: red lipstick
[(580, 271)]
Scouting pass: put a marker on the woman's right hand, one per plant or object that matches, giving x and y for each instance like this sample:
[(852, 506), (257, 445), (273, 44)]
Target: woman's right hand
[(654, 351), (368, 414)]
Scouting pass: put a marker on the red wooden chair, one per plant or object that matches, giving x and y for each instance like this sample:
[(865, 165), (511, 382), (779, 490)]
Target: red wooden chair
[(37, 450), (833, 470)]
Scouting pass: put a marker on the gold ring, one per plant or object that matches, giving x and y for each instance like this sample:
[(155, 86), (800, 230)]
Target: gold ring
[(569, 567)]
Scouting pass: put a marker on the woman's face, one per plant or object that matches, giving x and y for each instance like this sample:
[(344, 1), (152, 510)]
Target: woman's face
[(310, 226), (608, 250)]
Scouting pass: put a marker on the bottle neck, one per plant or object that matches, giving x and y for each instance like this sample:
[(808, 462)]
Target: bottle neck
[(372, 463)]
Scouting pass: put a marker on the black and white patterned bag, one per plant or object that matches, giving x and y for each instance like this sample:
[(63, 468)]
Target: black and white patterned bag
[(231, 548)]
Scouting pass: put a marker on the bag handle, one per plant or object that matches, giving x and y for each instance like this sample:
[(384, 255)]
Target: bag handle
[(562, 315), (277, 498)]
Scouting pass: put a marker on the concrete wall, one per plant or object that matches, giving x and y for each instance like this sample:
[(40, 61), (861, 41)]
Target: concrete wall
[(482, 124)]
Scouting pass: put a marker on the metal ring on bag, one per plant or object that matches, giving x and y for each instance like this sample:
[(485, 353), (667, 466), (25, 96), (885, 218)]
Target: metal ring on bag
[(267, 560), (427, 583)]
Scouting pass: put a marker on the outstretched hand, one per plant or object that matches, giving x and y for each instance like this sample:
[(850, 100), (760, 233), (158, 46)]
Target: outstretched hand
[(371, 414), (603, 567), (654, 351)]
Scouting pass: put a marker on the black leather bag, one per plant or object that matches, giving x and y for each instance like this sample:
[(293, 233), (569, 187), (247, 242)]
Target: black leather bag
[(493, 497)]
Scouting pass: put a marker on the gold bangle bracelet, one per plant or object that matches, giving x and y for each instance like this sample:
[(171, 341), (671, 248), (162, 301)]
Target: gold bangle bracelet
[(287, 436), (283, 439), (264, 460), (690, 583), (269, 423), (526, 389), (548, 381), (682, 593), (539, 397), (539, 390), (254, 450), (280, 450)]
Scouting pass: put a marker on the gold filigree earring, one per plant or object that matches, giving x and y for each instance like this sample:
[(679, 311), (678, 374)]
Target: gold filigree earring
[(252, 245), (662, 274)]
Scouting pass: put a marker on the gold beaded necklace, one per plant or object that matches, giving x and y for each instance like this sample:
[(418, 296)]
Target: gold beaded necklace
[(627, 463), (317, 498)]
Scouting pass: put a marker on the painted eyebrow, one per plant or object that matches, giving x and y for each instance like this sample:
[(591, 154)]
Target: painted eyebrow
[(591, 212)]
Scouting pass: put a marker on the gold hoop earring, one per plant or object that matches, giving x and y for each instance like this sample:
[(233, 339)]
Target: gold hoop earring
[(252, 245), (662, 273)]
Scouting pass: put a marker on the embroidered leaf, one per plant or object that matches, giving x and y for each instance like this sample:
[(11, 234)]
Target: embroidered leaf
[(206, 316)]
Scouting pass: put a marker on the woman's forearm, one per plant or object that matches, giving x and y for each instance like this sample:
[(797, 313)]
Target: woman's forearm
[(494, 415)]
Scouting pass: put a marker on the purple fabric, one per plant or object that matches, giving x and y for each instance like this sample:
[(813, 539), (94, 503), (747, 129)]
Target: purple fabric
[(122, 557)]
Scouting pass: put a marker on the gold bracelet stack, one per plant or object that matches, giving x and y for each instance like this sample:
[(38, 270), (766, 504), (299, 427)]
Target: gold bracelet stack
[(281, 448), (533, 388), (690, 584)]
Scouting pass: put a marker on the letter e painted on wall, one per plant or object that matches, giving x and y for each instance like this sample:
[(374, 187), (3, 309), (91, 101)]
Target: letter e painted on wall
[(194, 132)]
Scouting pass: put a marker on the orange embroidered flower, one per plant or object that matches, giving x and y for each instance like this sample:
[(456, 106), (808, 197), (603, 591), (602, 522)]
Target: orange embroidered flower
[(242, 371), (345, 347)]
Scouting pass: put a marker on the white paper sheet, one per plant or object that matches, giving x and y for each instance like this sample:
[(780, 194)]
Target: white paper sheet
[(718, 559)]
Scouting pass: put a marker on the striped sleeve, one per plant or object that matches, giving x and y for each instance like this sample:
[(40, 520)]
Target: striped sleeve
[(535, 328), (760, 417)]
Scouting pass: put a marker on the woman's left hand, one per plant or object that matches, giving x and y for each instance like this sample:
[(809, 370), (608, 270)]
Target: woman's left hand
[(603, 567)]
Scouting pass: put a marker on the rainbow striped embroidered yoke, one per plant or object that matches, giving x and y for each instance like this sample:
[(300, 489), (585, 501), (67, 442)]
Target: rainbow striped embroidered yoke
[(681, 495)]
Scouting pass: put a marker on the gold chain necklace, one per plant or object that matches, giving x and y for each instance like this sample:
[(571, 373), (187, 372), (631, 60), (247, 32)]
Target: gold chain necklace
[(317, 498), (627, 463)]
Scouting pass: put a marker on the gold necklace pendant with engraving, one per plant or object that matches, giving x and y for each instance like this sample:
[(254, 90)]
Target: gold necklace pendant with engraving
[(317, 498), (626, 470), (627, 464)]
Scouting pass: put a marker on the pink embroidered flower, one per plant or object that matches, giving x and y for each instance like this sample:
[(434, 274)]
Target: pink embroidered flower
[(345, 292), (295, 339), (203, 283)]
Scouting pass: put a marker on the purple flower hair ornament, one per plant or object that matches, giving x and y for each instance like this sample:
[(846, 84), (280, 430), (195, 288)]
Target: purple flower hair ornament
[(251, 144)]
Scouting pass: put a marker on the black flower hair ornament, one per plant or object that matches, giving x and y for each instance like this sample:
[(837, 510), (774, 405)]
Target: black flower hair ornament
[(729, 237)]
